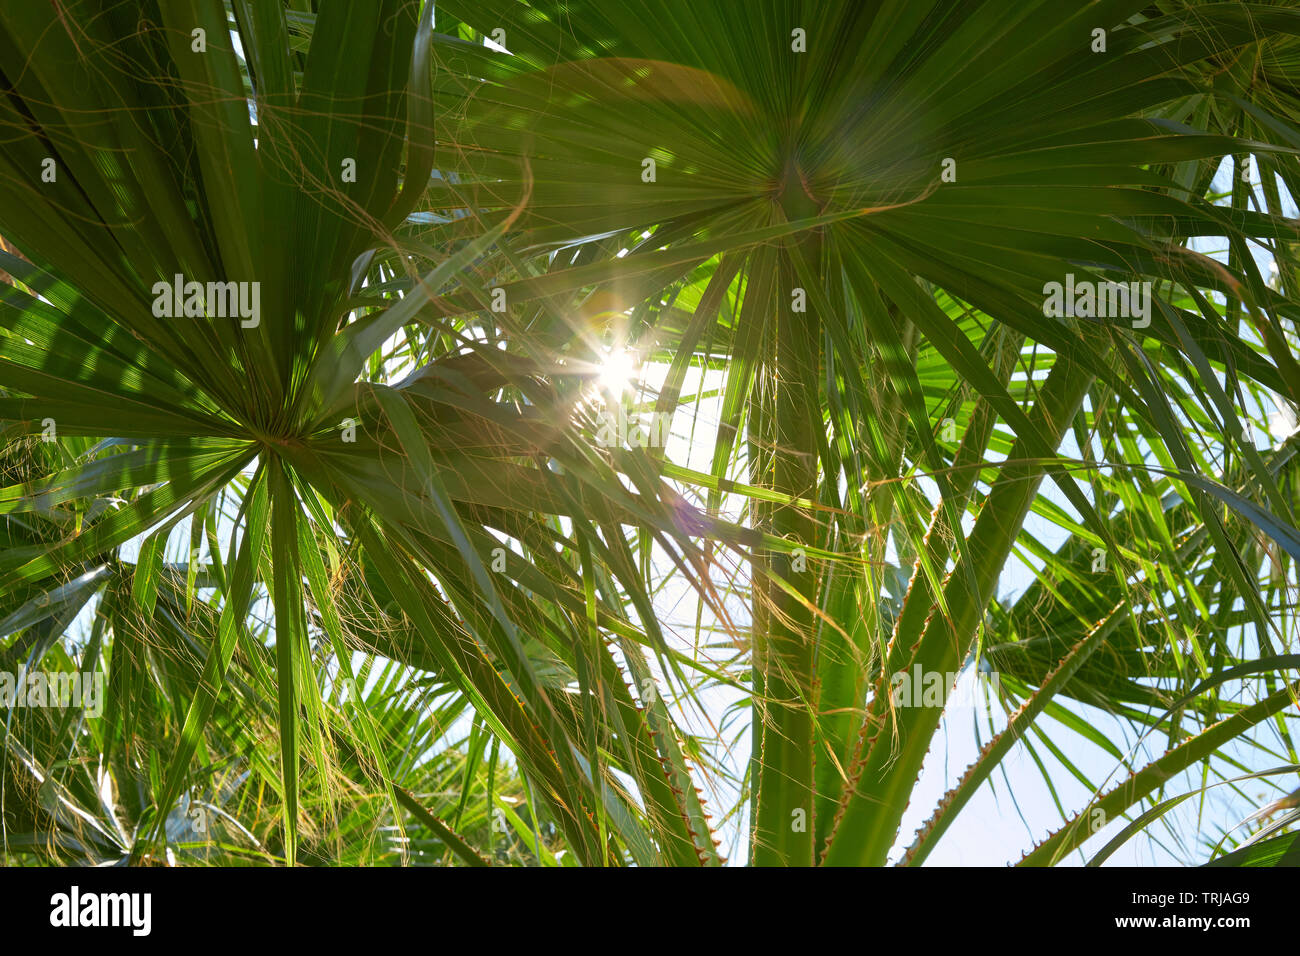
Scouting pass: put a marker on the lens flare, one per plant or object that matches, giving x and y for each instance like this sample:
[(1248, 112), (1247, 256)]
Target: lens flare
[(618, 371)]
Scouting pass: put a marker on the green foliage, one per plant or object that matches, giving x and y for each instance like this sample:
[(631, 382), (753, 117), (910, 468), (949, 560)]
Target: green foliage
[(367, 586)]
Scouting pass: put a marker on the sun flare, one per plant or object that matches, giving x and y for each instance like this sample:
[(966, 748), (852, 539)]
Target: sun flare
[(618, 371)]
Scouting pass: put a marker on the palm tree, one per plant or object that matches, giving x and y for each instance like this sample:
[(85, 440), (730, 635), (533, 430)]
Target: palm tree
[(850, 214)]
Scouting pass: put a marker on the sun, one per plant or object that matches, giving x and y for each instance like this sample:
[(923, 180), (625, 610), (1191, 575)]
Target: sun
[(618, 371)]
